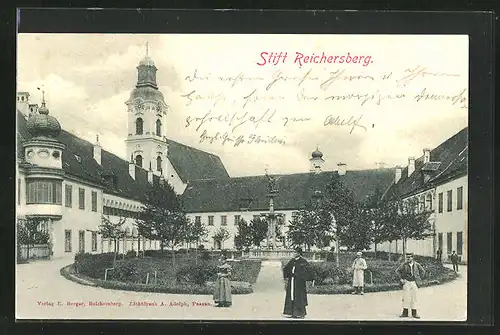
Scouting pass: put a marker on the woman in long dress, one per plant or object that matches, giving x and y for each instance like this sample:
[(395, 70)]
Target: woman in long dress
[(358, 267), (222, 292)]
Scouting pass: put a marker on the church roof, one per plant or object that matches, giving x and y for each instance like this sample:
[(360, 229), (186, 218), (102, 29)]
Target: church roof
[(78, 161), (294, 190), (447, 161), (192, 164)]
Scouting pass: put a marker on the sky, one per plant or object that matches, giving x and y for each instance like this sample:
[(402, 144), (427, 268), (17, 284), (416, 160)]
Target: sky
[(411, 95)]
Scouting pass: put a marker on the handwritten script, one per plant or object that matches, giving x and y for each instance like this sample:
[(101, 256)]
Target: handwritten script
[(268, 108)]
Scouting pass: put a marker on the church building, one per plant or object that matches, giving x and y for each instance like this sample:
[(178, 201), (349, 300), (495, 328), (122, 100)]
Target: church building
[(71, 183)]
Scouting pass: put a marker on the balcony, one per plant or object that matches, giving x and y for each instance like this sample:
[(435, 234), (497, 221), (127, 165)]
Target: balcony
[(52, 211)]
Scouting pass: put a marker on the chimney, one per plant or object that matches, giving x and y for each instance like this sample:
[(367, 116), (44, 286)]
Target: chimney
[(399, 170), (427, 155), (150, 174), (97, 150), (131, 167), (341, 169), (33, 109), (22, 103), (411, 165)]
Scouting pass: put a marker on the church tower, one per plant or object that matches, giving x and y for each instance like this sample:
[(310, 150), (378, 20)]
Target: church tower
[(146, 110)]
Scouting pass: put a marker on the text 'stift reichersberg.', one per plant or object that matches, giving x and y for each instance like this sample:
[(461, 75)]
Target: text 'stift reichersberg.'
[(300, 59)]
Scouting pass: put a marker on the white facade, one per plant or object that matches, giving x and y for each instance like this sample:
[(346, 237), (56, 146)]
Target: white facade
[(214, 221), (449, 220)]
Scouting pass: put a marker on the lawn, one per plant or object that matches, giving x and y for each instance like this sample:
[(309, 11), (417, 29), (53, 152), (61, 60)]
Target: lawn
[(183, 271), (379, 276)]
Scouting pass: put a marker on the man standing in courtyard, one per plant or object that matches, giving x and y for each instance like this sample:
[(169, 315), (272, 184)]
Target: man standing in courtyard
[(358, 267), (410, 272), (296, 273), (439, 255), (454, 261)]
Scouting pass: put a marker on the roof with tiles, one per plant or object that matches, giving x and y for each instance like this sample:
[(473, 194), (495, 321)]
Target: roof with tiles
[(113, 173), (294, 190), (448, 160)]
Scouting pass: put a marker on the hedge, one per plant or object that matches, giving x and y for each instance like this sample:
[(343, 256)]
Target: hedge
[(172, 288)]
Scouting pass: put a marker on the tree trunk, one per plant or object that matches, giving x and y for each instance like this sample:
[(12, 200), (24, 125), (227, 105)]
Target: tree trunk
[(138, 245), (114, 256), (375, 250), (173, 256)]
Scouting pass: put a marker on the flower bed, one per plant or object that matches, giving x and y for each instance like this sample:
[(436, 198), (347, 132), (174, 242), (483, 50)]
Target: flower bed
[(379, 276), (173, 288), (186, 273)]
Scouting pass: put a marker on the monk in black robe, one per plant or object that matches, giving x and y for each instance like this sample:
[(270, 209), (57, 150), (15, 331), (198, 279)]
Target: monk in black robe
[(296, 274)]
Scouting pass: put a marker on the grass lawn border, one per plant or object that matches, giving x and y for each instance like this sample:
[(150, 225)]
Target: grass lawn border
[(69, 273), (347, 289)]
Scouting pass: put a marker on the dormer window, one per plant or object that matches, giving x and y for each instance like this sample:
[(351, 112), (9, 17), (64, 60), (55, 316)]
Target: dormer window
[(245, 204), (78, 158)]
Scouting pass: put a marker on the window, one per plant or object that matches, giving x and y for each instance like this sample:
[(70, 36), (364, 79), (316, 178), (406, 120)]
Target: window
[(449, 202), (460, 196), (67, 240), (197, 220), (223, 220), (449, 242), (19, 191), (139, 124), (94, 241), (440, 241), (81, 241), (460, 242), (138, 160), (210, 220), (44, 192), (68, 195), (158, 163), (440, 203), (237, 219), (158, 128), (94, 201), (81, 198)]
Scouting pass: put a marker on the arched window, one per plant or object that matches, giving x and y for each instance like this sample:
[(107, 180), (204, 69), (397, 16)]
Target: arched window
[(158, 163), (158, 128), (138, 160), (139, 126)]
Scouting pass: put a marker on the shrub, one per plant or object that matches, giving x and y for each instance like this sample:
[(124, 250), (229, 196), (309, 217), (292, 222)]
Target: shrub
[(198, 274), (245, 270), (126, 272), (205, 256), (93, 265), (130, 254)]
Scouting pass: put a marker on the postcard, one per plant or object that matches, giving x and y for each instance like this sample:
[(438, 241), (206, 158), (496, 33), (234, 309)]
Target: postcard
[(242, 177)]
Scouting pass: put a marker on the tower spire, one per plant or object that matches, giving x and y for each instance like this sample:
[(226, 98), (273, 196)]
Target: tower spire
[(147, 49)]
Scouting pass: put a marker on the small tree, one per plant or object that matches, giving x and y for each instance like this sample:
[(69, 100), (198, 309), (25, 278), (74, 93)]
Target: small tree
[(221, 235), (162, 218), (340, 203), (409, 221), (258, 230), (301, 229), (28, 233), (112, 230), (243, 238)]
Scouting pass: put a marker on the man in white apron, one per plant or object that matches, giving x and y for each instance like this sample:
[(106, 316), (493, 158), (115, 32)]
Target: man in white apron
[(410, 272), (358, 267)]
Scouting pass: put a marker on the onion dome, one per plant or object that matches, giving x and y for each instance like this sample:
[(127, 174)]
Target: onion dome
[(146, 93), (43, 124), (317, 154), (147, 61)]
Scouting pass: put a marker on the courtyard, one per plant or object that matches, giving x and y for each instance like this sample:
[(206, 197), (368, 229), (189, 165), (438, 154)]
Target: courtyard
[(42, 293)]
